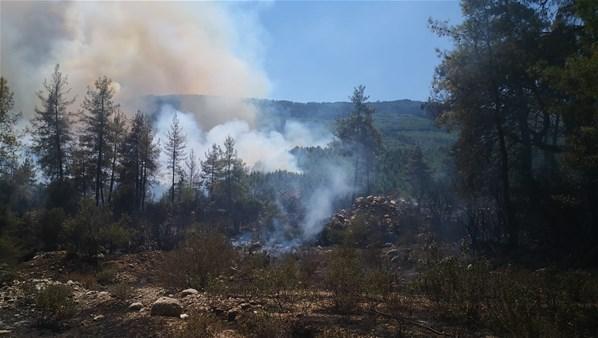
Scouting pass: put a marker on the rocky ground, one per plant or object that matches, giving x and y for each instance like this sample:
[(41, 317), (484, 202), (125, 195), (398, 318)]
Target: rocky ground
[(149, 309)]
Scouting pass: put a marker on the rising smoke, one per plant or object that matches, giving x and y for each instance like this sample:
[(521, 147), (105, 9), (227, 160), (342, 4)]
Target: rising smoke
[(159, 48), (145, 47)]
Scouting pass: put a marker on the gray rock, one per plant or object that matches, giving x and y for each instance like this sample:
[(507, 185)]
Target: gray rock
[(188, 292), (98, 317), (184, 316), (135, 306), (166, 306)]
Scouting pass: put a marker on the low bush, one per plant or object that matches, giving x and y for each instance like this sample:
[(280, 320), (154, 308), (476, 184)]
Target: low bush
[(55, 304), (514, 302), (121, 291), (344, 278), (204, 257), (107, 275), (264, 325), (201, 325)]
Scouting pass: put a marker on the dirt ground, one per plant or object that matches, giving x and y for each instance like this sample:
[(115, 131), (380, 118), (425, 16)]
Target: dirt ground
[(101, 312)]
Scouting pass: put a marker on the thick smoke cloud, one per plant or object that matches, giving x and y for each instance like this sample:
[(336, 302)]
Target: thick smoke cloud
[(145, 47), (263, 150), (155, 49)]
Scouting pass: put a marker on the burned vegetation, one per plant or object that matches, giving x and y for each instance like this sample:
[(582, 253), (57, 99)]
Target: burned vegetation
[(474, 214)]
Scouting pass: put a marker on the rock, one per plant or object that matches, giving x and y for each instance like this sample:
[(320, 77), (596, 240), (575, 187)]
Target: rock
[(135, 306), (70, 282), (188, 292), (166, 306), (244, 306), (103, 294), (184, 316), (98, 317), (232, 314), (5, 332)]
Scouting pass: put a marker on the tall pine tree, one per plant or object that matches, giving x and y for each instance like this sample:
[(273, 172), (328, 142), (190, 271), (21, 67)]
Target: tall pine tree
[(98, 107), (52, 127)]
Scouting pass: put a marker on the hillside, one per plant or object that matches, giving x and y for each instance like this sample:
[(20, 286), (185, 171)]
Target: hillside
[(402, 123)]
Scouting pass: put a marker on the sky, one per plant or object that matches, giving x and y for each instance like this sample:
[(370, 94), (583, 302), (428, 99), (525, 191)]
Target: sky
[(292, 50), (319, 51)]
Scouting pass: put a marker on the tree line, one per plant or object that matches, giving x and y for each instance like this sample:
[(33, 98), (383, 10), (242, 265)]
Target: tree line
[(520, 89)]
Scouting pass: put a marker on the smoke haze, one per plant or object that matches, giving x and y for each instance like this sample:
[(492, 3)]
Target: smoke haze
[(145, 47), (157, 49)]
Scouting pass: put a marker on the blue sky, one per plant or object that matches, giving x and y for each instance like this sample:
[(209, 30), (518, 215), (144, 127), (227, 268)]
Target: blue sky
[(318, 51)]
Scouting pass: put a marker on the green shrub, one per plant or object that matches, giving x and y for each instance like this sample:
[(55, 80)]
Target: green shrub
[(55, 304), (201, 325), (514, 302), (115, 236), (107, 275), (50, 228), (9, 256), (264, 325), (122, 291), (82, 232), (203, 257), (344, 278)]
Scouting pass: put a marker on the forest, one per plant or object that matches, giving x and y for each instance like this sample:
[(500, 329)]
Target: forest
[(473, 214)]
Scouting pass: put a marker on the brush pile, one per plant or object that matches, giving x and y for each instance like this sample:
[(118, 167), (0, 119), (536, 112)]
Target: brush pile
[(376, 217)]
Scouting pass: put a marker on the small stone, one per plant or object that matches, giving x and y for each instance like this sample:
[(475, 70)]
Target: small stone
[(188, 292), (98, 317), (184, 316), (232, 314), (135, 306), (70, 282)]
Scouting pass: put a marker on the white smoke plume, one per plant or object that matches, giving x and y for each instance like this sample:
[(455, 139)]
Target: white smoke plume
[(144, 47), (263, 150), (163, 48), (319, 205)]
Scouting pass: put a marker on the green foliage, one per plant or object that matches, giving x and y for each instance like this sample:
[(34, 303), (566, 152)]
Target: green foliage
[(55, 304), (8, 137), (513, 302), (106, 275), (201, 259), (201, 325), (50, 228), (82, 232), (360, 139), (52, 127), (114, 236), (122, 291), (344, 278), (9, 256), (263, 324)]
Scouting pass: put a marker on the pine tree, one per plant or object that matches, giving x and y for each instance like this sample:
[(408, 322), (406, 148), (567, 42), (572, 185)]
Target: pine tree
[(139, 163), (418, 174), (98, 106), (52, 127), (175, 151), (8, 139), (233, 172), (117, 133), (360, 139), (211, 170), (193, 178)]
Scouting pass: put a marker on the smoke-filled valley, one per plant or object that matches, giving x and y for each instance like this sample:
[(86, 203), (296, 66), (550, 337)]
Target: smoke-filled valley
[(216, 169)]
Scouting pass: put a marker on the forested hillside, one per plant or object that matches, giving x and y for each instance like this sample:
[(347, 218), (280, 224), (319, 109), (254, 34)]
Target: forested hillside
[(122, 213)]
